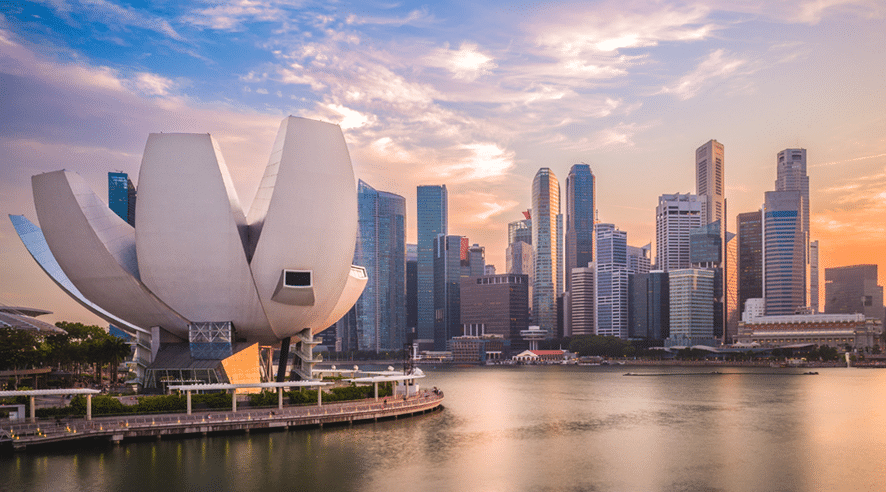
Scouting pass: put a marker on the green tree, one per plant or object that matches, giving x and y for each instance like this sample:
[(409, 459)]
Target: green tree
[(18, 350)]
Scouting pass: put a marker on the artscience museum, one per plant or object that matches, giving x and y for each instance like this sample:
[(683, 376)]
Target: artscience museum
[(198, 279)]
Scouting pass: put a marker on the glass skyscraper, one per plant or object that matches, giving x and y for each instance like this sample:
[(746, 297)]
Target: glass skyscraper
[(381, 248), (612, 281), (448, 260), (784, 253), (546, 244), (579, 248), (121, 196), (432, 213)]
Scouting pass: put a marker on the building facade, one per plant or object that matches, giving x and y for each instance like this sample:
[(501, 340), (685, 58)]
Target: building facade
[(853, 289), (495, 305), (649, 305), (675, 216), (791, 176), (381, 249), (709, 181), (784, 253), (691, 309), (121, 196), (750, 257), (842, 331), (579, 226), (612, 281), (546, 244), (432, 220), (582, 299)]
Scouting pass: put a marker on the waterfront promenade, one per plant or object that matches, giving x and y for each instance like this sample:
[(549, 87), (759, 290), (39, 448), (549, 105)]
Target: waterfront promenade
[(119, 428)]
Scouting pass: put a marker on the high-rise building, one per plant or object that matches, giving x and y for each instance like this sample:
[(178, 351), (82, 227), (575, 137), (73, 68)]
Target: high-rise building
[(791, 176), (121, 196), (448, 255), (691, 309), (705, 252), (546, 245), (612, 281), (579, 234), (733, 313), (496, 305), (675, 216), (784, 253), (640, 258), (489, 270), (814, 280), (750, 257), (476, 261), (381, 249), (853, 289), (411, 287), (649, 305), (582, 299), (520, 230), (432, 219), (709, 187)]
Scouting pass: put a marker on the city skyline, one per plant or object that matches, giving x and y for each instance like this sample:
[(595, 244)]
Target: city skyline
[(426, 97)]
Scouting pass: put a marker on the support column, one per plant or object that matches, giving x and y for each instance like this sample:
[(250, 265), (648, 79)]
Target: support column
[(376, 390), (88, 407), (280, 398), (234, 400), (33, 409), (284, 359), (319, 396), (189, 401)]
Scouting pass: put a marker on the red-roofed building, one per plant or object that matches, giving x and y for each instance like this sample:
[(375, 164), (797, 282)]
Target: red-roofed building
[(540, 355)]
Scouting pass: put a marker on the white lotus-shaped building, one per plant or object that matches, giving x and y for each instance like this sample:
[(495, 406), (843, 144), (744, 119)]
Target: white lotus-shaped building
[(194, 261)]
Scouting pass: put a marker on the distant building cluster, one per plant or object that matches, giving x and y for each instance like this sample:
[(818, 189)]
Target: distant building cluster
[(567, 273)]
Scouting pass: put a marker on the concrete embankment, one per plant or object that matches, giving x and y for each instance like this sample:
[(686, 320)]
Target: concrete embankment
[(119, 428)]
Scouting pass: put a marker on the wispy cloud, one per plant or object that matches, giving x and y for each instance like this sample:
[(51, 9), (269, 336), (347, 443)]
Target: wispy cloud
[(112, 15), (716, 67), (467, 62)]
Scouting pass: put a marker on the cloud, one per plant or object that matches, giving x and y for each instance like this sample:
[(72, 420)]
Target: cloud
[(414, 17), (234, 15), (112, 15), (467, 62), (717, 66)]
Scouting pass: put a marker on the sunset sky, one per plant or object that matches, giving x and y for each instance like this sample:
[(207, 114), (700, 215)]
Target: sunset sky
[(476, 96)]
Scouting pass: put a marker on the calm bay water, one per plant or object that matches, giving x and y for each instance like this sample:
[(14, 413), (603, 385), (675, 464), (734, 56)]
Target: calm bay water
[(534, 428)]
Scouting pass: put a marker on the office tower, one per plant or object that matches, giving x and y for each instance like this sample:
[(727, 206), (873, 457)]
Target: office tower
[(495, 305), (649, 305), (691, 309), (489, 270), (853, 289), (733, 313), (476, 261), (791, 176), (448, 256), (709, 187), (814, 281), (381, 249), (411, 287), (121, 196), (612, 281), (639, 258), (675, 216), (561, 277), (520, 230), (432, 219), (545, 244), (579, 234), (705, 251), (750, 257), (346, 332), (784, 253), (582, 301)]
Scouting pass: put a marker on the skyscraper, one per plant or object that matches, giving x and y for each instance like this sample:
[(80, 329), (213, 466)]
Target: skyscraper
[(691, 309), (432, 219), (381, 248), (411, 287), (709, 185), (498, 303), (784, 253), (520, 230), (121, 196), (448, 256), (853, 289), (612, 281), (639, 259), (675, 216), (791, 176), (649, 305), (545, 244), (750, 257), (583, 300), (579, 234), (814, 280)]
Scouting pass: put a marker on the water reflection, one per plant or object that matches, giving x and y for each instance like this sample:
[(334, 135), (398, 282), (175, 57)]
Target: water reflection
[(533, 428)]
